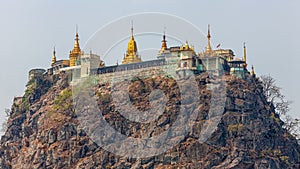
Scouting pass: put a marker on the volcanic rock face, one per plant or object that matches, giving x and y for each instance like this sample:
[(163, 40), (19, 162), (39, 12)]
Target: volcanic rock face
[(44, 130)]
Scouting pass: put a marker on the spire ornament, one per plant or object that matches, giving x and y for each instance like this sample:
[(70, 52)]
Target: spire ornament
[(208, 47), (132, 29), (76, 51), (245, 56), (252, 73), (53, 57), (131, 55), (164, 42)]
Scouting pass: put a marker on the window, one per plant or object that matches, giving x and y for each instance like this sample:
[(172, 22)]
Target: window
[(193, 62)]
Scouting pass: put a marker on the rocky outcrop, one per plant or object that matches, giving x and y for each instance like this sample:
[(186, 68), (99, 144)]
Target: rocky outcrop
[(44, 130)]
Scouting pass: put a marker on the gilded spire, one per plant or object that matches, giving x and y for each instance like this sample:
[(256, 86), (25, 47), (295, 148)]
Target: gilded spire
[(53, 57), (186, 45), (208, 32), (208, 47), (76, 48), (76, 51), (252, 71), (164, 43), (131, 54), (132, 29), (132, 47), (245, 56)]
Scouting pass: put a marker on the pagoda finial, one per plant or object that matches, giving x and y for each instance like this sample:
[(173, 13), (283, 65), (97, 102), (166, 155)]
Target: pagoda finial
[(54, 52), (245, 56), (186, 44), (164, 42), (131, 55), (76, 51), (53, 60), (252, 71), (132, 48), (208, 48), (131, 28), (77, 36), (208, 32), (76, 48)]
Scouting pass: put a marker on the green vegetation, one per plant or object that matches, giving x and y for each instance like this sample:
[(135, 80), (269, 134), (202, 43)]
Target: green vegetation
[(263, 153), (64, 102), (104, 98), (272, 116), (268, 152), (86, 83), (281, 105), (285, 159), (62, 106), (30, 87), (274, 153), (235, 127), (134, 79), (277, 152)]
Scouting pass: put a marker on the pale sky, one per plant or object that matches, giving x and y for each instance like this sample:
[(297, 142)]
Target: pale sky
[(30, 29)]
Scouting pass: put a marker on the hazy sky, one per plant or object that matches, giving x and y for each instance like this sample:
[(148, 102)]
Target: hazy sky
[(30, 29)]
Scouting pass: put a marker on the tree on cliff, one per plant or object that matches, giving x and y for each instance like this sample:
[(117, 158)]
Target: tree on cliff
[(293, 126), (281, 104), (274, 95)]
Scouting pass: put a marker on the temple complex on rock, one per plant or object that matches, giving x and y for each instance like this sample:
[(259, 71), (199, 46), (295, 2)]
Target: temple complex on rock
[(217, 61)]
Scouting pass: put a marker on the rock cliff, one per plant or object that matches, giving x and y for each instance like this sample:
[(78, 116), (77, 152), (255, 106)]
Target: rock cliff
[(44, 130)]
